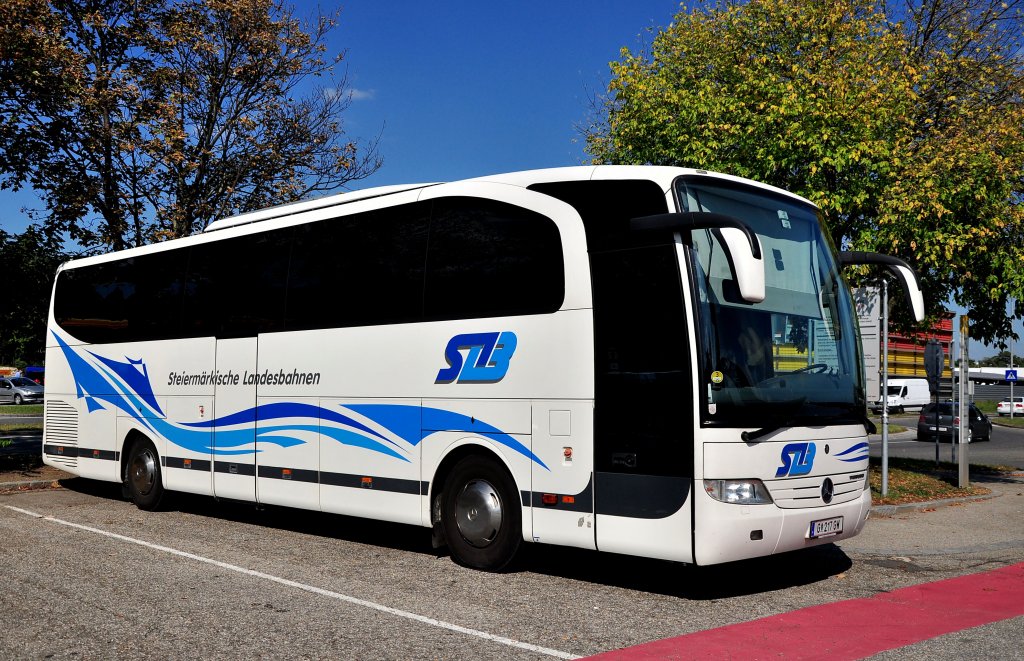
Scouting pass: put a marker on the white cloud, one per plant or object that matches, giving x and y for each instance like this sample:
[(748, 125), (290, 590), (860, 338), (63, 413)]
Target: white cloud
[(361, 95)]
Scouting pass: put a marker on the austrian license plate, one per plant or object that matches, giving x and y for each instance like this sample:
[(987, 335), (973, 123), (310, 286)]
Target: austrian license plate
[(826, 527), (940, 429)]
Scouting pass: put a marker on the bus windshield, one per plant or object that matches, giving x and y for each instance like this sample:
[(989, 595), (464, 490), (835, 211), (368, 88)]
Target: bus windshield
[(794, 358)]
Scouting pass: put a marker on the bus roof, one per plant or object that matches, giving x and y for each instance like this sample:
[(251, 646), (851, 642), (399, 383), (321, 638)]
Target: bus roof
[(292, 208)]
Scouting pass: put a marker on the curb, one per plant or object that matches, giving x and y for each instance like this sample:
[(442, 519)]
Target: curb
[(890, 510), (29, 485)]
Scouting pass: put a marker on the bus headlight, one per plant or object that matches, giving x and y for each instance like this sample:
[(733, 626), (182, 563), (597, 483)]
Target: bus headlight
[(740, 492)]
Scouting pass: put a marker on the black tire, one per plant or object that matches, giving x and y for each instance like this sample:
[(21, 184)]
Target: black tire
[(17, 400), (481, 514), (143, 477)]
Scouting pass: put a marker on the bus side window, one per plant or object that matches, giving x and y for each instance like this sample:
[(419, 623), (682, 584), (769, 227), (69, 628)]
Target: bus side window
[(489, 259), (128, 300), (371, 262), (236, 287)]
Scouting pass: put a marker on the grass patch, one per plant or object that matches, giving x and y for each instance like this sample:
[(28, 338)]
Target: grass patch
[(1007, 421), (987, 406), (23, 409), (21, 427), (918, 480)]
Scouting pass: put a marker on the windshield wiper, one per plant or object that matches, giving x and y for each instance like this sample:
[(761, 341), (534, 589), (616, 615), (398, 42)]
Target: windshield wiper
[(749, 436), (793, 404)]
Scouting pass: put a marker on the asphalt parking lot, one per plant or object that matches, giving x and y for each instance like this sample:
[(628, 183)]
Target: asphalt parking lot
[(90, 576)]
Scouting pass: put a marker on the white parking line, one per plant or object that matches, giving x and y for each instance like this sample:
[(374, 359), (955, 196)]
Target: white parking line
[(308, 588)]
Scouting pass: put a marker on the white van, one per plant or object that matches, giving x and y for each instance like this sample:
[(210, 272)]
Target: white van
[(905, 394)]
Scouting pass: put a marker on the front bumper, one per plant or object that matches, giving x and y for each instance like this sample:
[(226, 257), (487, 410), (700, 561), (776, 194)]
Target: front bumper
[(736, 532)]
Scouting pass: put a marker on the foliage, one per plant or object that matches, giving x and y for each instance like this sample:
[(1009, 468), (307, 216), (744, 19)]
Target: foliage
[(1001, 359), (904, 124), (139, 120), (915, 481), (30, 260)]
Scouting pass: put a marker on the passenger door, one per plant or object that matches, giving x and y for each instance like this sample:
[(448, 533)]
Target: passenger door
[(643, 415), (234, 431), (236, 291)]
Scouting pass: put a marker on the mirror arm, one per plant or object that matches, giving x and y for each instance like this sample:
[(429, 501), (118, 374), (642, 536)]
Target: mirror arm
[(690, 220), (907, 276)]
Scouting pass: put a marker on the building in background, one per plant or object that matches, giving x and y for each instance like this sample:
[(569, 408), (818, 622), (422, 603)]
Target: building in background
[(906, 353)]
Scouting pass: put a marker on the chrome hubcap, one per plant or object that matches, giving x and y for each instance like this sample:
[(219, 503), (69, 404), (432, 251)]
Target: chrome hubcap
[(142, 472), (478, 513)]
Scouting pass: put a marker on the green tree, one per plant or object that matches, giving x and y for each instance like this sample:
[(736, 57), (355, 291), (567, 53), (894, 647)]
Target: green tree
[(30, 261), (138, 120), (903, 124), (1001, 359)]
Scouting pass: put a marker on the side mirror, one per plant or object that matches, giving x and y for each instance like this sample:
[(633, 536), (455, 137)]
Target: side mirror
[(907, 276), (739, 241)]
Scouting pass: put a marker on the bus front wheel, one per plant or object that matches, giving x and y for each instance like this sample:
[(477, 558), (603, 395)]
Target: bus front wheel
[(142, 476), (481, 515)]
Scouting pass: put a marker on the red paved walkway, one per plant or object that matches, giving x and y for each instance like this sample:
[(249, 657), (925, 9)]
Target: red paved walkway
[(853, 629)]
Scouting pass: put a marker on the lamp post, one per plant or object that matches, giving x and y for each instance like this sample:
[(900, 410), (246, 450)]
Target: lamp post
[(885, 387)]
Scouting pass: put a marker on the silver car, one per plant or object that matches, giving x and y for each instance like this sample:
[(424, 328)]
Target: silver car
[(19, 390)]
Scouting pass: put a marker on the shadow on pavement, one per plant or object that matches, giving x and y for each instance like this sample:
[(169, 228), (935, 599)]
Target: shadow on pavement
[(746, 577)]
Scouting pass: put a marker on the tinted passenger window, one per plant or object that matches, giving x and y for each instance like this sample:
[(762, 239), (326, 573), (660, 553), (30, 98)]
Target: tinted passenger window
[(236, 287), (606, 208), (488, 259), (359, 270), (642, 413), (128, 300)]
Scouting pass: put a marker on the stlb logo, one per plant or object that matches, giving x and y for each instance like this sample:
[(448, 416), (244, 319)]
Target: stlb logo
[(486, 361), (797, 459)]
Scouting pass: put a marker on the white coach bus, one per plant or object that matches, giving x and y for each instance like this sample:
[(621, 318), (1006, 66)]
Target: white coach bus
[(646, 360)]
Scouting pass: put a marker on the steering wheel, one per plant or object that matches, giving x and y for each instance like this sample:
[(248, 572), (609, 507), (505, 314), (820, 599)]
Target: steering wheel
[(816, 368)]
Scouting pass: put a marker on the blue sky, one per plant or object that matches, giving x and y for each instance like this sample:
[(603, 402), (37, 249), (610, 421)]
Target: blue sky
[(463, 89)]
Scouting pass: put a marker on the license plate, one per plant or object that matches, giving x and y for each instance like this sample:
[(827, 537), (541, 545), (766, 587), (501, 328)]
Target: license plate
[(826, 527), (940, 429)]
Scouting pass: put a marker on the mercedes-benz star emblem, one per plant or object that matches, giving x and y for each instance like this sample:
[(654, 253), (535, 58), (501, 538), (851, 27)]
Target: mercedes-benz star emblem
[(827, 490)]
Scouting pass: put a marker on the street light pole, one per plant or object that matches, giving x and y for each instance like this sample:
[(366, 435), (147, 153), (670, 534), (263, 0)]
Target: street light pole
[(885, 387)]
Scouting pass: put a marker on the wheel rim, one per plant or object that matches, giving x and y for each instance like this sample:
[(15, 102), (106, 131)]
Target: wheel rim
[(142, 472), (478, 513)]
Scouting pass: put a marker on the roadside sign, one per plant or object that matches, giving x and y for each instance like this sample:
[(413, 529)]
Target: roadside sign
[(934, 362), (1011, 375)]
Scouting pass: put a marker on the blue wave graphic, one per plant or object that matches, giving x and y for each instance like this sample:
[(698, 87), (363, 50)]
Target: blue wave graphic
[(138, 381), (126, 387), (859, 452), (415, 423)]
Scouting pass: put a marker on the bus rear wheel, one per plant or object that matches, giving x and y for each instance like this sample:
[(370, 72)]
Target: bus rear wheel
[(142, 476), (481, 515)]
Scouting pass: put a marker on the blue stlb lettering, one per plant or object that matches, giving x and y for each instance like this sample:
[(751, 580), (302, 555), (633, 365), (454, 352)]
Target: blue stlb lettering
[(486, 361), (797, 459)]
